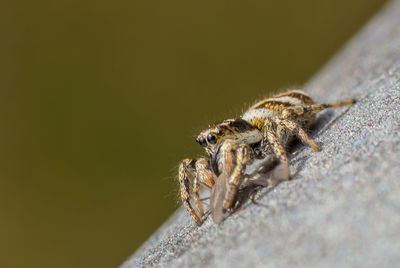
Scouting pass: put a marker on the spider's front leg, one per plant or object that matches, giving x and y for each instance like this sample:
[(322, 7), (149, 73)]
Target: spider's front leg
[(185, 169), (234, 158), (202, 175)]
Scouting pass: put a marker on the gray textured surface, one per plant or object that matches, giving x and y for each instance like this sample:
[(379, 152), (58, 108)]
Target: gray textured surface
[(343, 207)]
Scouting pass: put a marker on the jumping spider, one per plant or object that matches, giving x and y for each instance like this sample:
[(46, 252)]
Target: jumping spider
[(262, 132)]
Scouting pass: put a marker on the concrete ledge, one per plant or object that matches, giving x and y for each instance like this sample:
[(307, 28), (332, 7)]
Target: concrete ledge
[(343, 207)]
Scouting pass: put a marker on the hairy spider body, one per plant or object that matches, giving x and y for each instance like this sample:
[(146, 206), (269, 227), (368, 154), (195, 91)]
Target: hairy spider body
[(263, 131)]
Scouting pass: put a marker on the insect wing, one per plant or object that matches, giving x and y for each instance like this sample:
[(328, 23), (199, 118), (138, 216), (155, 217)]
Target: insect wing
[(218, 214)]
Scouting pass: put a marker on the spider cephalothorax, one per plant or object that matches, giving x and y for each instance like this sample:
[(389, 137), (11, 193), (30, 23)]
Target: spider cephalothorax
[(233, 129), (231, 145), (237, 130)]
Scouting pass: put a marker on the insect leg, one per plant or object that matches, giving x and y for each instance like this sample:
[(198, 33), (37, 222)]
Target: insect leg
[(185, 168), (299, 131), (313, 108)]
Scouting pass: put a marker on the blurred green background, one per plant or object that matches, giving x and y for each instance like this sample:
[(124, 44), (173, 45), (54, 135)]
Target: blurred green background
[(100, 101)]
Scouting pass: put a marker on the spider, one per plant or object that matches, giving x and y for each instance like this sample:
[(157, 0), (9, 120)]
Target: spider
[(262, 132)]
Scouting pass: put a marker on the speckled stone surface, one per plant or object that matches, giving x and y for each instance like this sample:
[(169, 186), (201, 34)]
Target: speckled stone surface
[(343, 207)]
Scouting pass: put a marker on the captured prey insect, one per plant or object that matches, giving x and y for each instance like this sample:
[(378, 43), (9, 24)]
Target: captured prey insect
[(259, 172), (243, 150)]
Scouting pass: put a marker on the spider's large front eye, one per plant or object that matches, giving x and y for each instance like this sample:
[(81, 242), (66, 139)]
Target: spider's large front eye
[(202, 142), (211, 138)]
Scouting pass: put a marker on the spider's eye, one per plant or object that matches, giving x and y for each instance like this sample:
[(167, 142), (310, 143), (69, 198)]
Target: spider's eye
[(211, 138), (202, 142)]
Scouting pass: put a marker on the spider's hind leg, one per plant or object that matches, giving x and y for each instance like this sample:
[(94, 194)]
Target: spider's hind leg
[(306, 110)]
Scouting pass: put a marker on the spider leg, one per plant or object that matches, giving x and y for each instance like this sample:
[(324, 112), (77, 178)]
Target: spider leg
[(204, 176), (236, 157), (277, 147), (186, 166), (298, 131), (311, 109)]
